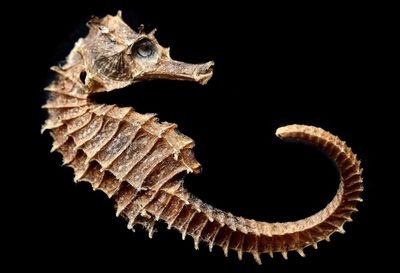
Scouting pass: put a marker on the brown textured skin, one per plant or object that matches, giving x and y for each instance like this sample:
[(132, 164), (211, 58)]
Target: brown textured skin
[(141, 163)]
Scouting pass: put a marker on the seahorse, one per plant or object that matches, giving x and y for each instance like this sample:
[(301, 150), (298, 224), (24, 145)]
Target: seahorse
[(140, 162)]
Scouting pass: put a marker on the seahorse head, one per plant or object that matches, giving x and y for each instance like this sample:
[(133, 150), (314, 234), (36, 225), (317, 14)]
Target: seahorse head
[(114, 56)]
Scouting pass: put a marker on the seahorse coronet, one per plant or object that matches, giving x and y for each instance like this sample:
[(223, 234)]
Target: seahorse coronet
[(140, 163)]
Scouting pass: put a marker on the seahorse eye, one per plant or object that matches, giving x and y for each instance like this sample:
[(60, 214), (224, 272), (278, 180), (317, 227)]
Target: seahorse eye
[(144, 48)]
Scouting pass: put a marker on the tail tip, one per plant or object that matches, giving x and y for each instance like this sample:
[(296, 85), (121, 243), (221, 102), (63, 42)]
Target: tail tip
[(281, 131)]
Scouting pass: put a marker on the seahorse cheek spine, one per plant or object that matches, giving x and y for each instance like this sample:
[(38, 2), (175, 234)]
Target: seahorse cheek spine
[(140, 163)]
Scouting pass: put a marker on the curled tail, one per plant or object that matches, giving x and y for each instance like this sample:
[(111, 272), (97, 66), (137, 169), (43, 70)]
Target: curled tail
[(141, 163), (216, 227)]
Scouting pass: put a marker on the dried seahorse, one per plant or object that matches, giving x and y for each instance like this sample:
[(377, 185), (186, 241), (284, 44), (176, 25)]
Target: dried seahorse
[(141, 163)]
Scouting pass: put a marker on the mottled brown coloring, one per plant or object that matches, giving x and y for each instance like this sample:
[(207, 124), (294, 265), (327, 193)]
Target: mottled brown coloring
[(140, 163)]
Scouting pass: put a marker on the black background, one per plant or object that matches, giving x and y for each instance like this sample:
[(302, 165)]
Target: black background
[(275, 65)]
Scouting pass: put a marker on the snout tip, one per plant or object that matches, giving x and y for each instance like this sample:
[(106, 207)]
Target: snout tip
[(204, 72)]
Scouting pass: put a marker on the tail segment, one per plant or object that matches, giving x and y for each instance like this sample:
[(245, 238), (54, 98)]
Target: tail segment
[(215, 227), (161, 195)]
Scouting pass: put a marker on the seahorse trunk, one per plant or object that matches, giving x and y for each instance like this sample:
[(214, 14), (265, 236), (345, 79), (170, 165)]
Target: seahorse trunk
[(141, 163)]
